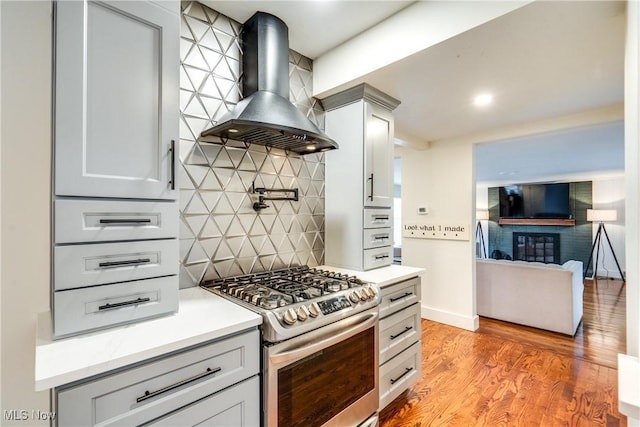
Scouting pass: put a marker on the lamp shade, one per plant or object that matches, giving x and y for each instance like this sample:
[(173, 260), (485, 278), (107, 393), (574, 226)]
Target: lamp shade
[(482, 214), (601, 215)]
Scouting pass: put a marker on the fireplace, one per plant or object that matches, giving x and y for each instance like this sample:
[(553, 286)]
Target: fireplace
[(539, 247)]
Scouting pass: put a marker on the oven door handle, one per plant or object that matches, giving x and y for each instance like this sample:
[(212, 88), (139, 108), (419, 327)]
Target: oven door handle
[(331, 337)]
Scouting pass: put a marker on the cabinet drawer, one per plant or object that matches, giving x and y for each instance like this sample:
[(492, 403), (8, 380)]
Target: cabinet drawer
[(398, 296), (138, 395), (377, 237), (88, 265), (84, 309), (400, 373), (399, 331), (379, 257), (79, 221), (236, 406), (378, 218)]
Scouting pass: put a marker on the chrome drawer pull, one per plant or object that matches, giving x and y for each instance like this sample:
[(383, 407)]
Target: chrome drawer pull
[(381, 256), (126, 221), (138, 261), (406, 329), (381, 237), (408, 294), (149, 395), (406, 371), (124, 303), (381, 218)]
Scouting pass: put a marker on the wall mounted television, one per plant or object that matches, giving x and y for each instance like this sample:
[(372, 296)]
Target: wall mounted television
[(544, 201)]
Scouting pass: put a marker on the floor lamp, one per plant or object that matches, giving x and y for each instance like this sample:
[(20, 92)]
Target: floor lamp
[(601, 216), (481, 215)]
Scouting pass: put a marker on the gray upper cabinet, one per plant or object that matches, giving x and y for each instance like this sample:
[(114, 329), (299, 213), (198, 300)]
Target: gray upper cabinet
[(378, 156), (116, 119), (116, 99)]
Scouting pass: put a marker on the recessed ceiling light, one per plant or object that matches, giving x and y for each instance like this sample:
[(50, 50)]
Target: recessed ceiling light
[(483, 99)]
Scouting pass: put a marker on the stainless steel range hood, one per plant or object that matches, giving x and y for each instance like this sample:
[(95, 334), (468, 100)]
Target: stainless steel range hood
[(266, 116)]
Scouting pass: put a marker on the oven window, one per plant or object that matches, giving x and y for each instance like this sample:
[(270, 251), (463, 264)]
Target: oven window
[(313, 390)]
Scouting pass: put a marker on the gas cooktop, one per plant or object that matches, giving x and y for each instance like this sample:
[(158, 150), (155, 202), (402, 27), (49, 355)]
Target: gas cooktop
[(295, 300)]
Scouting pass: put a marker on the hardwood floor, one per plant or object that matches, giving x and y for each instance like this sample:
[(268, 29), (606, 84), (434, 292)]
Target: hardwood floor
[(510, 375)]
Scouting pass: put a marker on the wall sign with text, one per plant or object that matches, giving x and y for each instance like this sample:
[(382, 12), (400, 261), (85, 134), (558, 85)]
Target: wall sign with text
[(436, 230)]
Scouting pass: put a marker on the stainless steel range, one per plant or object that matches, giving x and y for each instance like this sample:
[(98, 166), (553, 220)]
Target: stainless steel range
[(320, 334), (298, 299)]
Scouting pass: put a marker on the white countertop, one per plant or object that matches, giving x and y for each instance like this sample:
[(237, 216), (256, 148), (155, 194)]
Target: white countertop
[(382, 276), (202, 316), (628, 386)]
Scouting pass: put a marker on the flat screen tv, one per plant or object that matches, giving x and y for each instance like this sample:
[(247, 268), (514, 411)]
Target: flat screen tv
[(535, 201)]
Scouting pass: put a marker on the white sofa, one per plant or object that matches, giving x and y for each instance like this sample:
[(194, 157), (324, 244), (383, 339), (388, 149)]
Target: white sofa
[(545, 296)]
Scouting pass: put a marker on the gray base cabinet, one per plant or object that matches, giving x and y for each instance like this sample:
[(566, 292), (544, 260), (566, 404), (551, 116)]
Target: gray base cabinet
[(400, 344), (236, 406), (216, 383)]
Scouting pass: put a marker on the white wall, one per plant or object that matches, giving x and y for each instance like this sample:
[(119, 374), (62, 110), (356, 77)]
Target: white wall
[(25, 172), (442, 179), (632, 180), (632, 175)]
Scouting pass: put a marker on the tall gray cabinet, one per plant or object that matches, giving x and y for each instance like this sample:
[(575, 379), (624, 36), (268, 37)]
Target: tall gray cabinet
[(115, 211), (359, 179)]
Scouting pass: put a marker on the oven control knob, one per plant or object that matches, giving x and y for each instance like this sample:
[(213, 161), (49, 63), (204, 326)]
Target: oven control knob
[(314, 309), (303, 313), (354, 297), (374, 292), (364, 295), (371, 293), (290, 316)]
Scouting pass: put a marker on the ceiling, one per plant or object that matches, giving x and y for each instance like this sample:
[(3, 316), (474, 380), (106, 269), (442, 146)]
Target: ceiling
[(543, 60), (572, 154), (315, 26)]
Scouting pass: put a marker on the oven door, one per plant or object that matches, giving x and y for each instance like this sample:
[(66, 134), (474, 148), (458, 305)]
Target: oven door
[(326, 377)]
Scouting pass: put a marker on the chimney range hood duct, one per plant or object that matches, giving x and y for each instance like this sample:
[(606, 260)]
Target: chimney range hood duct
[(265, 115)]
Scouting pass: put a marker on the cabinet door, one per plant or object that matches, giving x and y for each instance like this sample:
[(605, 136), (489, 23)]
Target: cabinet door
[(378, 157), (116, 99)]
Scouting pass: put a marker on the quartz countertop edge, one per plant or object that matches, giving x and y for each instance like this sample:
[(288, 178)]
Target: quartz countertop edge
[(628, 386), (201, 317), (383, 276)]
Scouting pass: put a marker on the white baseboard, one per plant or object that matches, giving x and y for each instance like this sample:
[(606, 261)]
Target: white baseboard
[(449, 318), (602, 273)]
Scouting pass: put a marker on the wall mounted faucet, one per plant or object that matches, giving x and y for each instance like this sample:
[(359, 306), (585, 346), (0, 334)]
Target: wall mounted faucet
[(260, 204)]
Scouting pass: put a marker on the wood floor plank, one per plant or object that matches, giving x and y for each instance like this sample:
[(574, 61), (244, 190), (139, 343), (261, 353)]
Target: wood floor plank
[(510, 375)]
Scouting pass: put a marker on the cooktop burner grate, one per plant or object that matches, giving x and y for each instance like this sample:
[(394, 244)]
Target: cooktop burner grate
[(277, 288), (296, 300)]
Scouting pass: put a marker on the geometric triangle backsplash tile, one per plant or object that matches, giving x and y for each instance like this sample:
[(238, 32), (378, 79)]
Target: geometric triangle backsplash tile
[(220, 233)]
